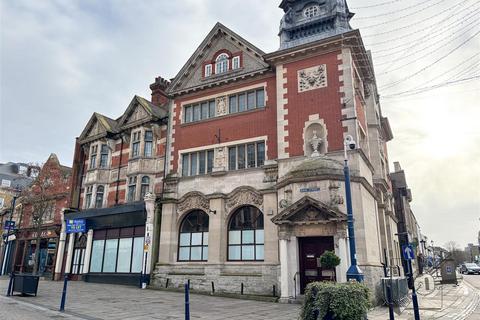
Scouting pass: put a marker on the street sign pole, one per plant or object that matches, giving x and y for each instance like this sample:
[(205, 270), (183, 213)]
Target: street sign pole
[(409, 255)]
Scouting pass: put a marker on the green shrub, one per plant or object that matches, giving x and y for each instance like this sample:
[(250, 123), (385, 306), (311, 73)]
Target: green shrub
[(339, 301), (329, 260)]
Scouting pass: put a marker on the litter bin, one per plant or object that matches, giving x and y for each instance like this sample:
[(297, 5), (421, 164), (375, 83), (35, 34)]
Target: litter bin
[(25, 284)]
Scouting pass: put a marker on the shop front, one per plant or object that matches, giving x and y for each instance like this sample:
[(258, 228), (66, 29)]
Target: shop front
[(112, 249)]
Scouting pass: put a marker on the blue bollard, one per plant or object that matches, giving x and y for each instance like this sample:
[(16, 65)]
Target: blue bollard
[(10, 284), (64, 294), (187, 302)]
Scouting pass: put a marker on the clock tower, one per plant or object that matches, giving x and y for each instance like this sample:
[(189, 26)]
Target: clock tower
[(310, 20)]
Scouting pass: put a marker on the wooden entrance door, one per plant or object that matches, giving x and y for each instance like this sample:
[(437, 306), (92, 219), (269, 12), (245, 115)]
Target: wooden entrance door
[(310, 250)]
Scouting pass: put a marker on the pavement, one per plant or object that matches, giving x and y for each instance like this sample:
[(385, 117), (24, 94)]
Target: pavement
[(102, 301)]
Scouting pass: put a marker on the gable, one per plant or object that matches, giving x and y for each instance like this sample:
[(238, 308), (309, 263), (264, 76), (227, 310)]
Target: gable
[(137, 114), (97, 127), (220, 39), (139, 111)]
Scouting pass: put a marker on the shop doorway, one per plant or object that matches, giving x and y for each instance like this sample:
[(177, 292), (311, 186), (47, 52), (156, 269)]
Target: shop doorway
[(310, 250)]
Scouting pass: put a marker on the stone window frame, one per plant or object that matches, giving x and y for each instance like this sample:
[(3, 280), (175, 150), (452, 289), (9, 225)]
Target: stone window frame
[(96, 205), (200, 105), (87, 201), (236, 63), (246, 155), (208, 70), (135, 181), (202, 245), (139, 134), (93, 156), (197, 154), (222, 61)]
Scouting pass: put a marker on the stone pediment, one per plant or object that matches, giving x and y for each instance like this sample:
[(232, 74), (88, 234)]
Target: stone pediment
[(97, 127), (309, 211), (220, 39), (139, 111)]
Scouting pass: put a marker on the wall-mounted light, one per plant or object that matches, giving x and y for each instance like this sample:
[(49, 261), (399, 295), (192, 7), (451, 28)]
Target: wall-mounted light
[(212, 211)]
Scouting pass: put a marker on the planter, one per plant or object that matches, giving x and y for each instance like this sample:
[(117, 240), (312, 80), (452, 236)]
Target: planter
[(25, 284)]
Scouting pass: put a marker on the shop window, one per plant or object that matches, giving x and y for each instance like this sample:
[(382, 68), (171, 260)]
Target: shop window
[(104, 156), (79, 254), (145, 187), (250, 155), (99, 196), (148, 150), (246, 235), (193, 242)]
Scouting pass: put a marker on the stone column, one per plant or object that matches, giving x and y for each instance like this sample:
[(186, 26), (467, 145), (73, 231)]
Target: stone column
[(284, 271), (88, 252), (167, 233), (216, 237), (150, 208), (342, 252), (61, 248), (68, 262)]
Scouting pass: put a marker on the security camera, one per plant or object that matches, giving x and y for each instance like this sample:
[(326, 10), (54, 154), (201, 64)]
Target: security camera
[(350, 142)]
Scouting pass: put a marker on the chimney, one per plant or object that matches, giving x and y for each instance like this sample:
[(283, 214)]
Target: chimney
[(159, 88), (397, 166)]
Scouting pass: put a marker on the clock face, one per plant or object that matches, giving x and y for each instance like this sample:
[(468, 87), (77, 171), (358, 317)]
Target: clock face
[(311, 11)]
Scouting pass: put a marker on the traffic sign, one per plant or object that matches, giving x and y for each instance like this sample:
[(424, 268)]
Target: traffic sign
[(408, 253), (9, 225), (76, 225)]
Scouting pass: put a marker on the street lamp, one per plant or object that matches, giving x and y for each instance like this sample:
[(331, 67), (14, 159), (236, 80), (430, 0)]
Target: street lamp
[(353, 272)]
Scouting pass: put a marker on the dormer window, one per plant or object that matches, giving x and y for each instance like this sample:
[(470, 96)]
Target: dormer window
[(311, 11), (236, 63), (221, 64), (208, 70)]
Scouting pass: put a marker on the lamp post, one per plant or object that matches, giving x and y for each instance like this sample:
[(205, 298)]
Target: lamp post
[(353, 272), (8, 245)]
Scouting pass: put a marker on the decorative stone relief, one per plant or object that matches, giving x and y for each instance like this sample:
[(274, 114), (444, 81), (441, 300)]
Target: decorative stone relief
[(271, 173), (194, 201), (315, 142), (222, 106), (312, 78), (220, 157), (243, 197), (335, 198)]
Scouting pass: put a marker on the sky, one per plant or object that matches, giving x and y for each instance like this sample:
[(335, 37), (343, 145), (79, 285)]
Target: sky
[(61, 60)]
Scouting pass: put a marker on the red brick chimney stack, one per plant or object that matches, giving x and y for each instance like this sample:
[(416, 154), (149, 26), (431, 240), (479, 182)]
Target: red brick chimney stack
[(159, 88)]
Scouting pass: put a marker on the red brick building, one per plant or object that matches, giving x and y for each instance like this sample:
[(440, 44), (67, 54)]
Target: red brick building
[(43, 201)]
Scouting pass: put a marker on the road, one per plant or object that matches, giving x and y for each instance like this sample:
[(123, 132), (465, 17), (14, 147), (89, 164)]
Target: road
[(474, 280)]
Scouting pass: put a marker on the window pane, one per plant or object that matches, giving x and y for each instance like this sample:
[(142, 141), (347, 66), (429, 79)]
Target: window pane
[(204, 110), (196, 112), (241, 103), (260, 98), (251, 155), (241, 157), (124, 255), (205, 238), (97, 256), (248, 253), (260, 154), (136, 149), (232, 104), (259, 237), (234, 253), (232, 158), (211, 109), (188, 114), (251, 100), (184, 239), (259, 252), (148, 149), (137, 258), (210, 161), (185, 165), (205, 254), (193, 164), (110, 255), (103, 160), (196, 239), (196, 253), (247, 236), (234, 237), (184, 254), (201, 166)]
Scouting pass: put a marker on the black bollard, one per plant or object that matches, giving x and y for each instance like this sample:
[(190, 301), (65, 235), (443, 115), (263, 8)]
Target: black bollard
[(187, 302), (241, 289), (274, 291), (213, 288), (64, 294), (10, 284), (166, 283)]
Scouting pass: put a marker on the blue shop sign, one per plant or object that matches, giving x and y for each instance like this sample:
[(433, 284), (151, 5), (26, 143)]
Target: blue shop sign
[(306, 190), (9, 225), (76, 226)]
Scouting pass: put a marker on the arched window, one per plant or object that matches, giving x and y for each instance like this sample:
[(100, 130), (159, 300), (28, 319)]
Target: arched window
[(145, 187), (99, 197), (194, 237), (246, 235), (221, 65)]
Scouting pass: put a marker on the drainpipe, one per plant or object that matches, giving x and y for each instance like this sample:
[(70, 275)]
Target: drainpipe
[(118, 172)]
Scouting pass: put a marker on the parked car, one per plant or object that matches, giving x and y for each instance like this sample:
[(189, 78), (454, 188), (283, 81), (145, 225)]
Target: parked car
[(469, 268)]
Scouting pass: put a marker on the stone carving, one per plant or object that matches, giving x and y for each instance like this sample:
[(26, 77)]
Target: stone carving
[(243, 197), (221, 106), (194, 201), (271, 174), (335, 198), (312, 78), (220, 159), (315, 142)]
